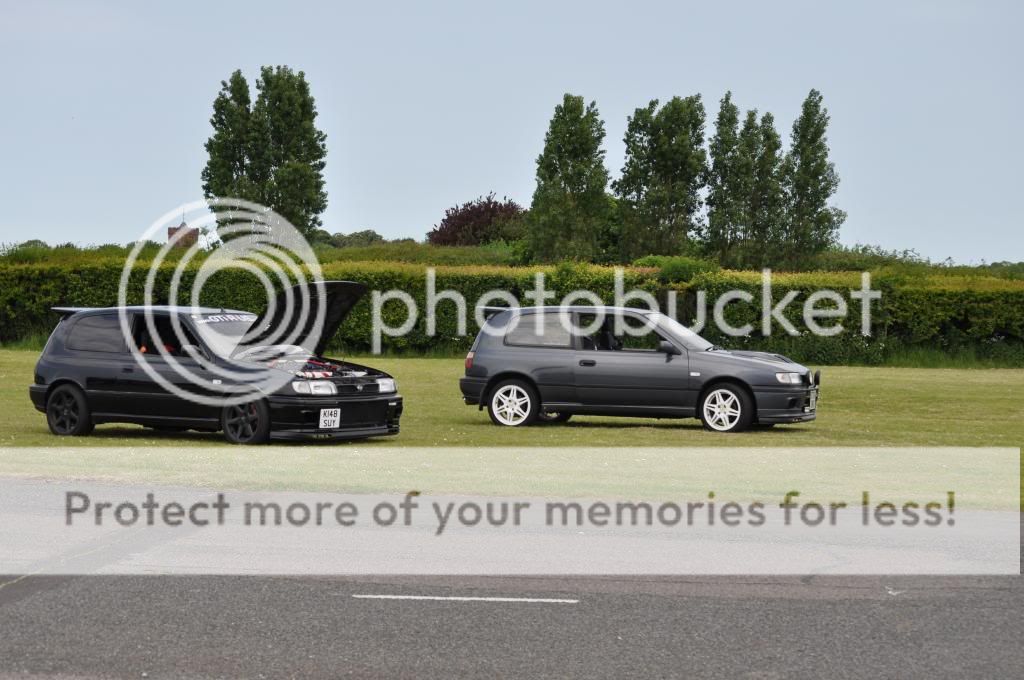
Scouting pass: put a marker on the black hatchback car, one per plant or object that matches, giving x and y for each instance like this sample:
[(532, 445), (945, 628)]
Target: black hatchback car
[(183, 368), (550, 363)]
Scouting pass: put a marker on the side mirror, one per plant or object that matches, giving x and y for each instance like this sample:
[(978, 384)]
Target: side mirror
[(668, 348)]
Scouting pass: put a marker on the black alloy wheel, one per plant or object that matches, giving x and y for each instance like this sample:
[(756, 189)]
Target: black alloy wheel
[(67, 412), (246, 423)]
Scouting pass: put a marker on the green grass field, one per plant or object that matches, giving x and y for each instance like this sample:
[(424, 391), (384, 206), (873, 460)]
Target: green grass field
[(859, 407)]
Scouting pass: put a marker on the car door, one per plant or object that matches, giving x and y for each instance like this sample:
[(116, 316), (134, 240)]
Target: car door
[(150, 398), (627, 371)]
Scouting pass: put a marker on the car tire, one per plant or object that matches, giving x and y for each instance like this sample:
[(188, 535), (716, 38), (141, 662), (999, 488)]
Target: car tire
[(67, 412), (246, 423), (548, 417), (513, 403), (726, 407)]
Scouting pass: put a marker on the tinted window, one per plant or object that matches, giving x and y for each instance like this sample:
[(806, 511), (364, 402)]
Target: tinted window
[(551, 332), (97, 333), (149, 343), (637, 334)]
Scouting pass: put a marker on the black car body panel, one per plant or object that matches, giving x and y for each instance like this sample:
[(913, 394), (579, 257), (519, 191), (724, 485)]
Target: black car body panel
[(577, 378), (338, 297), (88, 349)]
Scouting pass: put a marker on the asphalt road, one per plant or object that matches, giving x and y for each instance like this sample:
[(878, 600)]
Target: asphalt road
[(749, 627)]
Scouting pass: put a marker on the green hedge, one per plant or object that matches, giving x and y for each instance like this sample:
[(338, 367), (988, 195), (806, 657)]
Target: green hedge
[(982, 315), (978, 315), (676, 268)]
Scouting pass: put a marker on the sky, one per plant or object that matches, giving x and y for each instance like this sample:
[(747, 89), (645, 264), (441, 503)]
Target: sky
[(105, 106)]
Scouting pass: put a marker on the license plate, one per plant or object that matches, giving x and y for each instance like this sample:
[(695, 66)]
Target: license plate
[(812, 404), (330, 418)]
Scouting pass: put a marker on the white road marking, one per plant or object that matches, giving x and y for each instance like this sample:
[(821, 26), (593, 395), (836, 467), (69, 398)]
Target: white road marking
[(535, 600)]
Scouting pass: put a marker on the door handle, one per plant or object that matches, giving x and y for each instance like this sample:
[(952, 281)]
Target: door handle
[(588, 362), (127, 369)]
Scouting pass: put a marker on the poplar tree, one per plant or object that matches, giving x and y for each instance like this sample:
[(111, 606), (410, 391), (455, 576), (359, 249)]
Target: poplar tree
[(767, 201), (268, 151), (665, 170), (570, 209), (809, 181), (725, 193), (227, 169)]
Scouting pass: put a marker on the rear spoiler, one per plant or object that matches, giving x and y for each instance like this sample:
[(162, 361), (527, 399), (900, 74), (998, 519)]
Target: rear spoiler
[(65, 312), (491, 311)]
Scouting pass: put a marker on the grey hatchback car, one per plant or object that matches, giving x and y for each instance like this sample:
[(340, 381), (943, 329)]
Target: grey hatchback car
[(549, 363)]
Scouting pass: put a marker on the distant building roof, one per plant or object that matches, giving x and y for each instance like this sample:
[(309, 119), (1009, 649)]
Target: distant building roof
[(189, 238)]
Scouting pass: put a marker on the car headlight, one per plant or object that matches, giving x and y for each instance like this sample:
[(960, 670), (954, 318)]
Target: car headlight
[(789, 378), (386, 385), (314, 387)]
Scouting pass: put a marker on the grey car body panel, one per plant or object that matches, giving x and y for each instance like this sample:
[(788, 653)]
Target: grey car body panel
[(630, 382)]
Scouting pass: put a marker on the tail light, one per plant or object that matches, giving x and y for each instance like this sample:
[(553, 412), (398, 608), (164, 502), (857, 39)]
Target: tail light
[(469, 361)]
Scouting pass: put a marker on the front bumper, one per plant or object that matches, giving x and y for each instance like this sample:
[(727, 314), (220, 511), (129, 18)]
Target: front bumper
[(298, 417), (781, 405)]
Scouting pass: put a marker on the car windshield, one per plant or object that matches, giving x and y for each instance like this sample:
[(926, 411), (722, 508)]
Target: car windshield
[(679, 332), (222, 332)]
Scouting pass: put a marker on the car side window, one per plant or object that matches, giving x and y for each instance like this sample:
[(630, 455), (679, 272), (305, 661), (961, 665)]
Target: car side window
[(551, 332), (639, 337), (97, 333), (149, 343), (595, 337)]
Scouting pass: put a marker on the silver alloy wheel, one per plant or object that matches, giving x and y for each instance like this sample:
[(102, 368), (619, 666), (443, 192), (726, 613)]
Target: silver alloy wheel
[(722, 410), (510, 405)]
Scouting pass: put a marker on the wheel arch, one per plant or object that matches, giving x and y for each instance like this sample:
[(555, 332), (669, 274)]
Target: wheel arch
[(60, 382), (727, 380), (485, 394)]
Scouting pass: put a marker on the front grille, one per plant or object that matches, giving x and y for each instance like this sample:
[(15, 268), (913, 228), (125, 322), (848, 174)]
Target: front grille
[(354, 388)]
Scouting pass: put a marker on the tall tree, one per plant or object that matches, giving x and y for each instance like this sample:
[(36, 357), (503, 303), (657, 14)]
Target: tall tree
[(665, 170), (725, 195), (767, 201), (271, 151), (227, 169), (291, 150), (810, 180), (569, 207)]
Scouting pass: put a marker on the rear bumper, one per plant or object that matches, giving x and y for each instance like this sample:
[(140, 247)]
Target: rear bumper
[(786, 405), (472, 389), (299, 417), (37, 393)]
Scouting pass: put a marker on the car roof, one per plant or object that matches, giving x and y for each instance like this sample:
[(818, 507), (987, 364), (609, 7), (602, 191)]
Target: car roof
[(168, 309), (606, 309)]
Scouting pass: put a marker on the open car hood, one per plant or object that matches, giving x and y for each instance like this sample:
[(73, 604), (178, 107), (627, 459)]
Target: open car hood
[(339, 299)]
